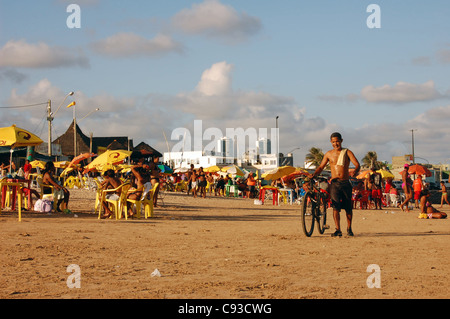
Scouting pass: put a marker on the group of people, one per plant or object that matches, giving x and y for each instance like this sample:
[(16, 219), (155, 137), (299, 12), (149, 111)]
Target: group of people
[(197, 181), (421, 195), (340, 189), (141, 176)]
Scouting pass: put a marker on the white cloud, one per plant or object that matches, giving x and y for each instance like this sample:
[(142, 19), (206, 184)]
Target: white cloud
[(146, 118), (216, 80), (214, 19), (24, 55), (129, 44), (402, 92)]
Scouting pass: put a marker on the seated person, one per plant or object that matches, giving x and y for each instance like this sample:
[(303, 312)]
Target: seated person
[(426, 209), (34, 192), (62, 193), (111, 181), (140, 177), (220, 186)]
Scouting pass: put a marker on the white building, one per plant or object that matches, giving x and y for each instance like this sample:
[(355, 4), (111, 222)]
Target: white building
[(260, 158), (263, 146)]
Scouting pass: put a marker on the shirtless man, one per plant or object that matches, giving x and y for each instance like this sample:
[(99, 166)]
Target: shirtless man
[(193, 181), (135, 192), (340, 186), (111, 182)]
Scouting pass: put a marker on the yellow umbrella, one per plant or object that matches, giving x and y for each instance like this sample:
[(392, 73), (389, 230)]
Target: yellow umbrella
[(61, 164), (37, 163), (278, 172), (107, 159), (17, 137), (67, 170), (233, 170), (212, 169), (385, 173)]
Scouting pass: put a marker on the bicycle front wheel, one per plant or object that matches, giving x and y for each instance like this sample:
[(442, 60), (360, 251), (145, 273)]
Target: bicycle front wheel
[(322, 213), (308, 207)]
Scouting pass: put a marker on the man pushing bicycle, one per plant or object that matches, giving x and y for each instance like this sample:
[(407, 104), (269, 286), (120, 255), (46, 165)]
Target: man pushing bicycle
[(340, 186)]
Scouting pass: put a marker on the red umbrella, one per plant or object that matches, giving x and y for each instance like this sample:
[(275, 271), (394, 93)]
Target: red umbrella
[(419, 170), (80, 158), (293, 175)]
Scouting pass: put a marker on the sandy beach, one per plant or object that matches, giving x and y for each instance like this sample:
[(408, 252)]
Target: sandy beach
[(221, 248)]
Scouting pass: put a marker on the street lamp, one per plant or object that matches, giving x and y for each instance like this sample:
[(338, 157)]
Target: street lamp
[(50, 117), (278, 141), (412, 142)]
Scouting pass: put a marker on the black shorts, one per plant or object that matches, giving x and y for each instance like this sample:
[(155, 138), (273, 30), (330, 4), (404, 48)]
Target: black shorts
[(341, 194)]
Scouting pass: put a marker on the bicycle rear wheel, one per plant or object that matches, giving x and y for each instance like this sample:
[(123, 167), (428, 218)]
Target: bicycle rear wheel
[(322, 213), (308, 207)]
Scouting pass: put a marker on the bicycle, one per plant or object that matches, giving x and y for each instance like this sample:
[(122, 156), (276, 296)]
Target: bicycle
[(314, 207)]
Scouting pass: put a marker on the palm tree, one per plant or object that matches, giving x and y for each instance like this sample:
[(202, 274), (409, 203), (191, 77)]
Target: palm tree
[(371, 159), (314, 157)]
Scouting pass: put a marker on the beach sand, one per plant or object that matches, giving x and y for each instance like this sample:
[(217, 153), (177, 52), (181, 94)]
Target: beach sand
[(221, 248)]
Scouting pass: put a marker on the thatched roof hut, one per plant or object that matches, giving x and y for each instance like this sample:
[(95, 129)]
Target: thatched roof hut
[(87, 144)]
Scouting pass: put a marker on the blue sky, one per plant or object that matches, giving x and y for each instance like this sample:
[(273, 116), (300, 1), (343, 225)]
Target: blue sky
[(154, 66)]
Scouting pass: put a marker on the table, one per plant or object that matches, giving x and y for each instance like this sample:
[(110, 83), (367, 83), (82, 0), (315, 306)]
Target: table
[(262, 193), (16, 190), (15, 184)]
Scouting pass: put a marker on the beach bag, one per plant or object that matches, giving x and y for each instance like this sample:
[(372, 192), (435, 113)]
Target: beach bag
[(43, 206)]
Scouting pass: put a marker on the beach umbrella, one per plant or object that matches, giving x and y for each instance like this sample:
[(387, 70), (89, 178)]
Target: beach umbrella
[(36, 163), (364, 174), (419, 170), (108, 159), (61, 164), (181, 170), (17, 137), (297, 173), (165, 169), (385, 173), (278, 172), (80, 158), (212, 169), (233, 170)]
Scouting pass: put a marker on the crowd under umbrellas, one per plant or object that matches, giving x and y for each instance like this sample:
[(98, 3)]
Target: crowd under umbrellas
[(214, 177)]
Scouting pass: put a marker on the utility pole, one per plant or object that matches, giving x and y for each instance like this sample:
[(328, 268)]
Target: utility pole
[(49, 119), (412, 141)]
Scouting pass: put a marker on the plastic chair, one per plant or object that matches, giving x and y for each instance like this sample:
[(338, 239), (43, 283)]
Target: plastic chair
[(51, 196), (141, 202), (116, 205), (394, 199), (148, 202)]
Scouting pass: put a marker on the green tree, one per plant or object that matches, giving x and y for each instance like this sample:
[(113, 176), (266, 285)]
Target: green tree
[(371, 159), (315, 156)]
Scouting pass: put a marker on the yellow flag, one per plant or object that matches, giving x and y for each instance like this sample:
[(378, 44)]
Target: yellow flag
[(71, 104)]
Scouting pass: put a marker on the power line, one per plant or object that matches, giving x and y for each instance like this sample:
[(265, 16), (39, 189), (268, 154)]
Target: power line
[(22, 106)]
